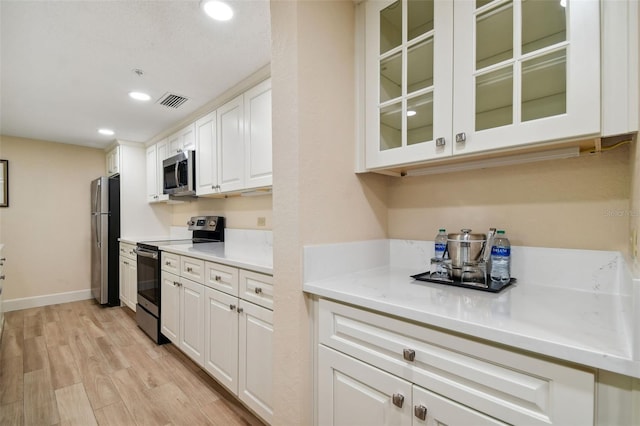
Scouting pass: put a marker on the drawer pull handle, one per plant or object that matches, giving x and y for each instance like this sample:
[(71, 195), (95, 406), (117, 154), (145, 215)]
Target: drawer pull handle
[(177, 284), (232, 307), (258, 290), (167, 263), (409, 354), (189, 269), (420, 411), (2, 277), (397, 399), (218, 278)]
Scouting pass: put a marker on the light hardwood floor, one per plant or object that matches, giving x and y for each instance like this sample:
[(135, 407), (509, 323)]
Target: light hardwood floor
[(81, 364)]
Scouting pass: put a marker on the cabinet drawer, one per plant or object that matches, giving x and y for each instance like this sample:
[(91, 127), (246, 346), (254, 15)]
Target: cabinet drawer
[(221, 277), (511, 386), (192, 268), (171, 263), (256, 288), (126, 250)]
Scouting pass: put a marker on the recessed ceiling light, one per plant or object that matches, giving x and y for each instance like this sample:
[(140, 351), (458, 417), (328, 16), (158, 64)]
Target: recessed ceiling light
[(411, 113), (106, 132), (217, 10), (139, 96)]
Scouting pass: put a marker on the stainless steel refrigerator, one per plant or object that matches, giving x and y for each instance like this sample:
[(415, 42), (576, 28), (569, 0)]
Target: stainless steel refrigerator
[(105, 231)]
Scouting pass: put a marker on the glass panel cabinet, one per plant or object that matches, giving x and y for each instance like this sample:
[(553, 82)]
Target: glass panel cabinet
[(454, 77), (408, 98)]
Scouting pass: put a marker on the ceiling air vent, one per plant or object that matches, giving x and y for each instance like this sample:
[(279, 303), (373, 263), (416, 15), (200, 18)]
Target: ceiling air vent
[(171, 100)]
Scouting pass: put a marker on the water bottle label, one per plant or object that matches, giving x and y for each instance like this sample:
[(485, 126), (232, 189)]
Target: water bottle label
[(441, 247), (500, 251)]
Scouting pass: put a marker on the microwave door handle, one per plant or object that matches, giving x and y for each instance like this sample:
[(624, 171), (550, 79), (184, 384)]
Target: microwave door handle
[(176, 171)]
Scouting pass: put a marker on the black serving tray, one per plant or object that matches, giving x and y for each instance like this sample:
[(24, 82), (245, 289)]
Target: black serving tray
[(493, 287)]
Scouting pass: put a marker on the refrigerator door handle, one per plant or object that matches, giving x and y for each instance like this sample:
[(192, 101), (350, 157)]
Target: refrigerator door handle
[(98, 219), (97, 197)]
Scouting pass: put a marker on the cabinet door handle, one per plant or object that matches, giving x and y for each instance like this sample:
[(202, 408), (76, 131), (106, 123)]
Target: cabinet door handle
[(232, 307), (397, 399), (177, 284), (240, 310), (409, 354), (420, 411), (2, 277), (258, 290), (441, 142), (461, 137)]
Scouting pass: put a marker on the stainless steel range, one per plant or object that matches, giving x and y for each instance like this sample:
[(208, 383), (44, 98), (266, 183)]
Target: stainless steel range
[(206, 229)]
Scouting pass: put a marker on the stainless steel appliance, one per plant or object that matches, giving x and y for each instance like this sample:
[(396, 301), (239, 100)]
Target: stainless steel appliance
[(179, 175), (206, 229), (105, 231)]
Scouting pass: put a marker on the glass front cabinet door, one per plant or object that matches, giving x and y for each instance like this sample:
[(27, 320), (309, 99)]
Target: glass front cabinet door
[(452, 77), (409, 57), (525, 71)]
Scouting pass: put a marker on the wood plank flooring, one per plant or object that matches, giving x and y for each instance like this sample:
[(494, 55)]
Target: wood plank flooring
[(82, 364)]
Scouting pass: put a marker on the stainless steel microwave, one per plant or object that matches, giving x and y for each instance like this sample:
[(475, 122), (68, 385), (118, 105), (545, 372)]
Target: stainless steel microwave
[(179, 174)]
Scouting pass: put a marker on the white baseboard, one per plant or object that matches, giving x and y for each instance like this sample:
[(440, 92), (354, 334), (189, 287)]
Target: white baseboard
[(47, 299)]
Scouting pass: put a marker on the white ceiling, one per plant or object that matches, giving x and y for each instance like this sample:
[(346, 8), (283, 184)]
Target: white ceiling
[(66, 67)]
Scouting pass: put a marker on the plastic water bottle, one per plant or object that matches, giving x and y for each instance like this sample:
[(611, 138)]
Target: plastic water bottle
[(440, 248), (441, 243), (501, 258)]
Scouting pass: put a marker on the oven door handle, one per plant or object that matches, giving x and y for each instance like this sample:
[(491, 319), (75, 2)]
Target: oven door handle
[(145, 253)]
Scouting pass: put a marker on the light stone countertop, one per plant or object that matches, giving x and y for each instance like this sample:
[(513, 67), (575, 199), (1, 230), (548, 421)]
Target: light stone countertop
[(587, 327), (221, 253), (243, 248)]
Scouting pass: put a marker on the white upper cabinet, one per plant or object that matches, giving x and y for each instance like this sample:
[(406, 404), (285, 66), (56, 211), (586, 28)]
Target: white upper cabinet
[(182, 140), (408, 81), (155, 154), (445, 78), (257, 118), (525, 72), (206, 155), (113, 161), (231, 144)]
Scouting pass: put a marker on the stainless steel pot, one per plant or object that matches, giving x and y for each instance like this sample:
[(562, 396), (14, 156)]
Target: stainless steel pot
[(464, 247)]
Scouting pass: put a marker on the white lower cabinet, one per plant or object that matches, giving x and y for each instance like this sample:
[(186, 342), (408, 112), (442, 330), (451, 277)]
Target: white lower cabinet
[(182, 314), (231, 338), (255, 355), (128, 271), (355, 393), (221, 338), (170, 307), (192, 319), (377, 370)]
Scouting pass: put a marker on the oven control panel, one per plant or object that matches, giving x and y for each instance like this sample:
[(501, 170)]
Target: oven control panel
[(205, 223)]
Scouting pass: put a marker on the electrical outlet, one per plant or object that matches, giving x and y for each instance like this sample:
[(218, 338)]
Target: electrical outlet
[(262, 221)]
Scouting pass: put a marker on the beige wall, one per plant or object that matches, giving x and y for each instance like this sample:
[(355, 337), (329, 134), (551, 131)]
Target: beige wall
[(317, 198), (240, 212), (574, 203), (46, 228)]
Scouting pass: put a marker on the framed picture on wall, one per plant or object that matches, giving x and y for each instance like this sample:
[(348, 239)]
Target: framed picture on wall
[(4, 183)]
